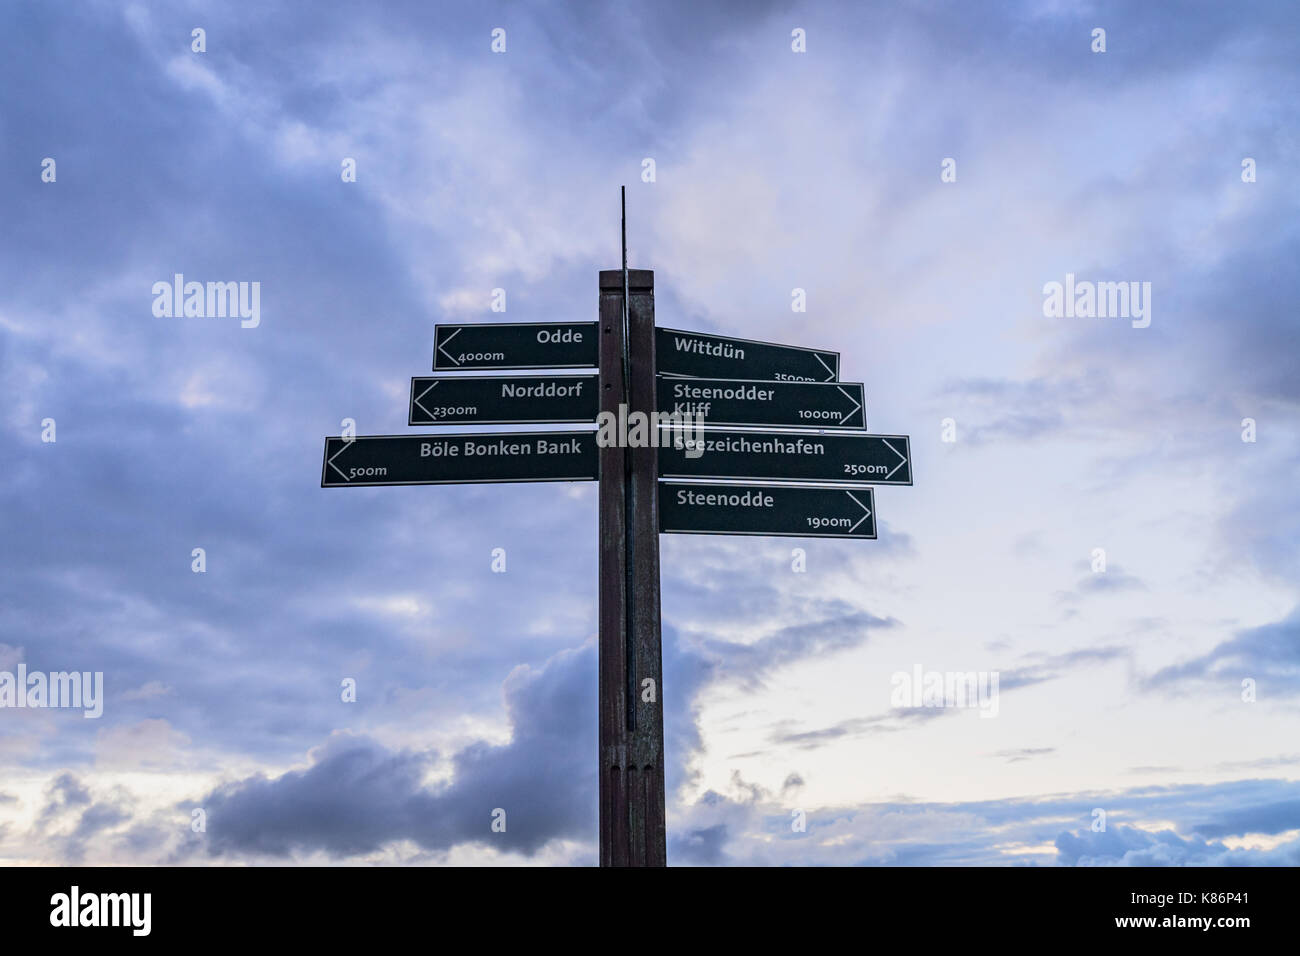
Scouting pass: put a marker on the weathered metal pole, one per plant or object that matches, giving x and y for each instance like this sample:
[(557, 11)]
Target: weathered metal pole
[(632, 829)]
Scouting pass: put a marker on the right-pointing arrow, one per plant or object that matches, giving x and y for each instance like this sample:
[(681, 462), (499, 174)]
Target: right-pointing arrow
[(866, 512), (902, 459), (856, 406)]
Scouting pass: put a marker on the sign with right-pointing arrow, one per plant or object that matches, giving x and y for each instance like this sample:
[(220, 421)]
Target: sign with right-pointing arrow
[(777, 404), (787, 511), (697, 355), (788, 456)]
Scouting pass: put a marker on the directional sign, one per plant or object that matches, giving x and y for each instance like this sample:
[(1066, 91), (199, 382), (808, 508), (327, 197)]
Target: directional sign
[(503, 399), (788, 456), (459, 459), (695, 355), (515, 345), (789, 511), (730, 402)]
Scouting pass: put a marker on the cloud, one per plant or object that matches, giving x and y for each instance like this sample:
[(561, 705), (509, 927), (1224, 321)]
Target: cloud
[(1039, 668), (1113, 580), (1269, 655), (1024, 753), (992, 410), (357, 795), (1128, 846), (702, 846), (786, 644), (64, 794), (1025, 831)]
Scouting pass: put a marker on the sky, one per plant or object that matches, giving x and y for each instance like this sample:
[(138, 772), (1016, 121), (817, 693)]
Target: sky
[(1089, 521)]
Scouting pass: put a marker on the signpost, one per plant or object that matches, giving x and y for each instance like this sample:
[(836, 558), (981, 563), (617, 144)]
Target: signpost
[(459, 459), (486, 345), (791, 456), (777, 404), (630, 694), (642, 369), (696, 355), (784, 510), (503, 399)]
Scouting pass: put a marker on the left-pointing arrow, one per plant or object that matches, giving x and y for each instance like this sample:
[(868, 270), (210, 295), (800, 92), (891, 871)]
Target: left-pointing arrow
[(504, 399), (459, 459)]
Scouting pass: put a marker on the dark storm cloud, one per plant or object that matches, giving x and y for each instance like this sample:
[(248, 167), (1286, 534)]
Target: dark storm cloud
[(357, 796)]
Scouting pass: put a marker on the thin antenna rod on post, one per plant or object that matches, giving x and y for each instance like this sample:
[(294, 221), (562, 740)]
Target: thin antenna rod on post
[(629, 500), (627, 380)]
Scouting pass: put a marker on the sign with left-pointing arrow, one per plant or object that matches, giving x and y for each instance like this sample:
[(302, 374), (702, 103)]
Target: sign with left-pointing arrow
[(459, 459), (786, 511), (503, 399), (505, 345), (723, 401)]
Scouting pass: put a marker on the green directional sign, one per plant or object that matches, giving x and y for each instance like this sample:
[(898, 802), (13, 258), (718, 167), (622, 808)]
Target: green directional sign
[(781, 510), (485, 345), (459, 459), (503, 399), (733, 402), (697, 355), (788, 456)]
